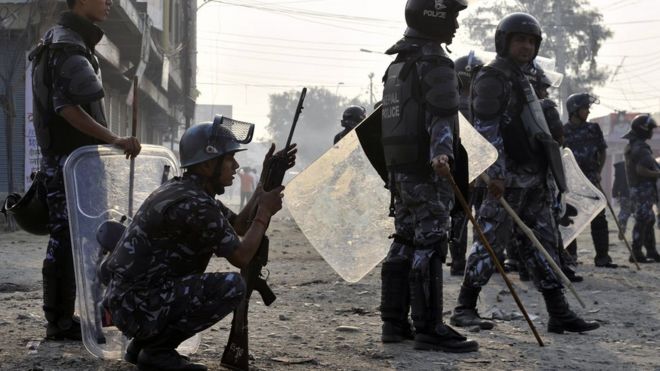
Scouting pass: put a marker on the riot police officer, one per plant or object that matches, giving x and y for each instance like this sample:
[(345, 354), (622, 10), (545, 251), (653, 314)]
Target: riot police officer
[(586, 141), (519, 175), (465, 68), (419, 121), (642, 172), (159, 294), (352, 116), (68, 114)]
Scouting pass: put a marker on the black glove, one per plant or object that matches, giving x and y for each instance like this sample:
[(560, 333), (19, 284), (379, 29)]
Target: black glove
[(567, 218)]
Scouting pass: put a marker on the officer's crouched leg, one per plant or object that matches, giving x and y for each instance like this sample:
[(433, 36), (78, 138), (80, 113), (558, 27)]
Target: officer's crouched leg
[(204, 300)]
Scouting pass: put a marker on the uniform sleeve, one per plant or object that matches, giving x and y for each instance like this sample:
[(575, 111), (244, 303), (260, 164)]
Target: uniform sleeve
[(440, 95), (600, 138), (489, 104), (74, 80), (207, 224)]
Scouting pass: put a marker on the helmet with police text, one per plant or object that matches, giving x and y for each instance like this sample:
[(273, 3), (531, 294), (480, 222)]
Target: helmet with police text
[(465, 67), (207, 140), (641, 127), (433, 19), (579, 100), (352, 116), (30, 211), (516, 23)]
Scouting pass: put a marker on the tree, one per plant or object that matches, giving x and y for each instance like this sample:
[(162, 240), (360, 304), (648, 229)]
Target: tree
[(573, 35), (318, 123)]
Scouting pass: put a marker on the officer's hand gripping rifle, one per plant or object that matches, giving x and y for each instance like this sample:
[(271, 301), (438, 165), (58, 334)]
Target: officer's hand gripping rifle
[(236, 353)]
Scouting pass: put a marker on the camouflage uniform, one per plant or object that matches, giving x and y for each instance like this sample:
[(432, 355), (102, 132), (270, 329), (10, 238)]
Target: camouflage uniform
[(422, 200), (158, 281), (588, 145), (526, 191), (643, 194), (65, 73)]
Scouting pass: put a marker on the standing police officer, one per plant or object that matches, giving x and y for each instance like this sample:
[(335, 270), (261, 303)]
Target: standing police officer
[(519, 174), (643, 173), (159, 294), (419, 132), (68, 114), (352, 116), (586, 141)]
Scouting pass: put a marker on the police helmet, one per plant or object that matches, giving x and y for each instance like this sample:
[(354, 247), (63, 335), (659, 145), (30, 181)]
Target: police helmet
[(430, 18), (580, 100), (30, 210), (207, 141), (352, 116), (465, 66), (641, 127), (516, 23)]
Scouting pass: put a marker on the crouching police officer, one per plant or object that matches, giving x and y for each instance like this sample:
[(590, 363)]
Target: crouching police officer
[(352, 116), (642, 172), (419, 135), (159, 294), (519, 175)]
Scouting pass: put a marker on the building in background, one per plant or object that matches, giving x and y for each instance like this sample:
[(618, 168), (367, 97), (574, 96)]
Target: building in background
[(154, 40), (614, 126)]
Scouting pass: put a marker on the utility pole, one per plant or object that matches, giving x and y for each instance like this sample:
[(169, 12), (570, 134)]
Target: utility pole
[(371, 89), (560, 54)]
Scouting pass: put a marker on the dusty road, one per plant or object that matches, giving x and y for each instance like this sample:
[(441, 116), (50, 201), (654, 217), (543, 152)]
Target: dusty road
[(302, 329)]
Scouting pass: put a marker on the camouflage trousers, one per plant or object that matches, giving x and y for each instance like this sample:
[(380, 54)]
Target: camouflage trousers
[(424, 202), (422, 205), (644, 196), (59, 244), (627, 208), (190, 304), (58, 276), (533, 205)]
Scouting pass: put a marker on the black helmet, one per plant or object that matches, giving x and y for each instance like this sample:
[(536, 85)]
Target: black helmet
[(641, 127), (31, 210), (465, 66), (352, 116), (579, 100), (207, 140), (429, 18), (516, 23)]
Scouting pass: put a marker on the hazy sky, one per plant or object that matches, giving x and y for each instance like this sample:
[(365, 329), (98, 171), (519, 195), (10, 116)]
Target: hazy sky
[(248, 49)]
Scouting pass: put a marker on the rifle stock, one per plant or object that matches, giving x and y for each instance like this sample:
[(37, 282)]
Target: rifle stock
[(236, 353)]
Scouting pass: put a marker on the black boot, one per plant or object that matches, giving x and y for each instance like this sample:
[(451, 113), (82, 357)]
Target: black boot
[(601, 239), (59, 305), (445, 339), (159, 353), (571, 249), (395, 300), (465, 313), (649, 244), (561, 317), (134, 348)]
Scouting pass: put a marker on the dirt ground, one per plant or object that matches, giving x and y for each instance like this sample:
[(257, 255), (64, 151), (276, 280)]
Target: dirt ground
[(321, 322)]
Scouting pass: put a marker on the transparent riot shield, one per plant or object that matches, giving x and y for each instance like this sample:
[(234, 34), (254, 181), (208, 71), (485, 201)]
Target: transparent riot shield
[(97, 190), (583, 195), (340, 203)]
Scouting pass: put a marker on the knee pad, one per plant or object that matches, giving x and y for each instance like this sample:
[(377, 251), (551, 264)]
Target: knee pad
[(426, 291)]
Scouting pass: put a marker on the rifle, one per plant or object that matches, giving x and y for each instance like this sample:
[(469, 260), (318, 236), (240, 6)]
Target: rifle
[(236, 354)]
